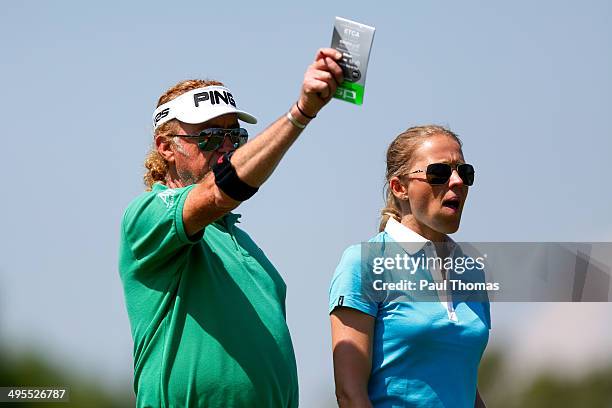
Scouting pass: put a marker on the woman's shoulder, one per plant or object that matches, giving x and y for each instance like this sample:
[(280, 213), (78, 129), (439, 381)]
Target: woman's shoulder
[(380, 237), (353, 254)]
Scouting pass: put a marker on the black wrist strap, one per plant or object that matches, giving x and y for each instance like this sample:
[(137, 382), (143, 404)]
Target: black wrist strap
[(302, 112), (228, 181)]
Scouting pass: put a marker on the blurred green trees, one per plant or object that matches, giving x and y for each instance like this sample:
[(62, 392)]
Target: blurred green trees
[(33, 369), (500, 389)]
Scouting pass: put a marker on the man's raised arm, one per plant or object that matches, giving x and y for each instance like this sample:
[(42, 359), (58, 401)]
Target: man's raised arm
[(256, 160)]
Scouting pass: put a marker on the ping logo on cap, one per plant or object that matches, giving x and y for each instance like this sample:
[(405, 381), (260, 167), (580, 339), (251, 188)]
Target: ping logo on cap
[(214, 97), (200, 105)]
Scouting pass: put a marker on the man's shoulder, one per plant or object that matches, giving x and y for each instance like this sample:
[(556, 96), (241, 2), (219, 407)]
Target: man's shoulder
[(159, 197), (137, 203)]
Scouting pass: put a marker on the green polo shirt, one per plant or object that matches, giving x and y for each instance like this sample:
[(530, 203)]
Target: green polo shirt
[(207, 313)]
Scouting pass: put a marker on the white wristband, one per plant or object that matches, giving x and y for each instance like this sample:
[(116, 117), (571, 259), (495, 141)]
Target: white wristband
[(294, 121)]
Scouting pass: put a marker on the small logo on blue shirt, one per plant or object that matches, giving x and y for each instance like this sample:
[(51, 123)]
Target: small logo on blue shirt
[(340, 300)]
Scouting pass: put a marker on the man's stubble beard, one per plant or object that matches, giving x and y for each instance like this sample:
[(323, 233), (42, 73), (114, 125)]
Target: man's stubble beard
[(187, 178)]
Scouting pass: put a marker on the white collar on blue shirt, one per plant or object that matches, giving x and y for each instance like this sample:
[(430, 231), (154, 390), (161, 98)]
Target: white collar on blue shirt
[(411, 241)]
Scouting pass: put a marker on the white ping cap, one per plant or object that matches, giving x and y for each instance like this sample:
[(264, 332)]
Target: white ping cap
[(200, 105)]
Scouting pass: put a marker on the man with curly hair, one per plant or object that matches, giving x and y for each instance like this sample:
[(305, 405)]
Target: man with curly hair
[(206, 307)]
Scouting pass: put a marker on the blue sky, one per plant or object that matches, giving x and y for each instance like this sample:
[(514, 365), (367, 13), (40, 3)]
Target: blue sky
[(526, 85)]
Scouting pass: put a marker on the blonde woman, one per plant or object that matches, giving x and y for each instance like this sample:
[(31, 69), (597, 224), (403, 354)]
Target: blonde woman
[(400, 352)]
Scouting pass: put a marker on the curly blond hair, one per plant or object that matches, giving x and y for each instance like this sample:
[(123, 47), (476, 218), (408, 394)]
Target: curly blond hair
[(399, 159), (156, 165)]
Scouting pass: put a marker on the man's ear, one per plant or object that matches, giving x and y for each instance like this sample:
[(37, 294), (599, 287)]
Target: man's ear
[(164, 148), (398, 189)]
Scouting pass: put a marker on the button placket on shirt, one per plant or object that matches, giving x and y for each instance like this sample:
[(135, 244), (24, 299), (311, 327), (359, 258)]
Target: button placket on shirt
[(445, 296), (231, 230)]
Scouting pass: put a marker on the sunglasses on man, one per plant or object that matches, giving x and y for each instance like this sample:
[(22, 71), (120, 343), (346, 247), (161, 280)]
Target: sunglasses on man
[(440, 173), (212, 139)]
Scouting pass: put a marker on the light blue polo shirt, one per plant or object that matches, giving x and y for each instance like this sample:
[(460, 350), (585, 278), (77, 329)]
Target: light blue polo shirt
[(425, 354)]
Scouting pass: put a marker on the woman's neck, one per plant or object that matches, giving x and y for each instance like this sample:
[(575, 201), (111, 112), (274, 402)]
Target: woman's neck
[(422, 229)]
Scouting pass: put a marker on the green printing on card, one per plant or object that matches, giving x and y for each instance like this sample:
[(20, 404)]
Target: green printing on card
[(350, 92)]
